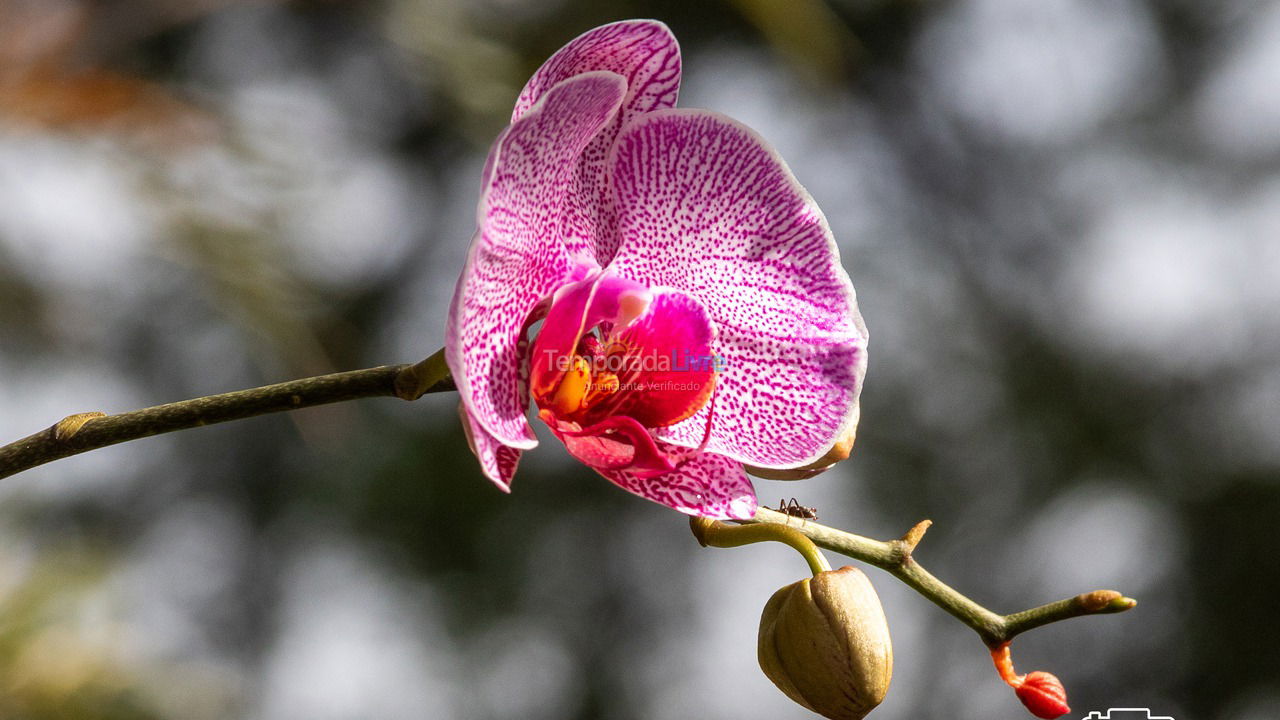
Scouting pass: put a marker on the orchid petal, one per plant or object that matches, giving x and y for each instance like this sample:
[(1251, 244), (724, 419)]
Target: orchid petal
[(705, 205), (705, 484), (518, 257), (643, 52), (497, 461), (646, 54)]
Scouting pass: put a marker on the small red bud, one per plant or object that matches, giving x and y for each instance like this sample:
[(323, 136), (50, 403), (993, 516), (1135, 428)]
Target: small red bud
[(1042, 693)]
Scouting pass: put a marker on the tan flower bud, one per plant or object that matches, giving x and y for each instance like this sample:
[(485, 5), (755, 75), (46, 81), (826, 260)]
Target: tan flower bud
[(839, 451), (825, 643)]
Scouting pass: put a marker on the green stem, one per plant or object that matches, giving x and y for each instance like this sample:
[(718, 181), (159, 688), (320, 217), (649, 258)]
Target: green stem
[(717, 534), (89, 431), (895, 557)]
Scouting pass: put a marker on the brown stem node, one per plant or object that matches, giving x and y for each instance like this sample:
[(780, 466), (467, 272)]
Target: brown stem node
[(913, 536), (71, 424), (429, 375), (1120, 604), (1097, 600)]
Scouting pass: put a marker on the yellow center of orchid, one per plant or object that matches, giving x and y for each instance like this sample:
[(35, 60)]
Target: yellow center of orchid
[(580, 388)]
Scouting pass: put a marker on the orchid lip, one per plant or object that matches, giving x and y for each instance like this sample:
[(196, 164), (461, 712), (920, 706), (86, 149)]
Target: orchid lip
[(610, 346)]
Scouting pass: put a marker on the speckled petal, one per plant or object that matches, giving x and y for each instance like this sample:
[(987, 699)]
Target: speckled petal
[(643, 52), (705, 484), (707, 207), (497, 461), (646, 54), (518, 256)]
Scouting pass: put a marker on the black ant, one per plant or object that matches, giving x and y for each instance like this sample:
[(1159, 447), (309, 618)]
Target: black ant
[(795, 509)]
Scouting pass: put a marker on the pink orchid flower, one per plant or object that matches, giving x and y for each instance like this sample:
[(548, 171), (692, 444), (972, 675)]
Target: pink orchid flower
[(694, 313)]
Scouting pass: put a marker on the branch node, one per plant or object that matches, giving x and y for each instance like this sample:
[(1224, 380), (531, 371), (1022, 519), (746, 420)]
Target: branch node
[(1104, 601), (409, 385), (1120, 604), (418, 379), (1097, 600), (904, 546), (67, 427)]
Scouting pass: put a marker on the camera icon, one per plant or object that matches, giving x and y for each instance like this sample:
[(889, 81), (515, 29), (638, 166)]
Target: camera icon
[(1125, 714)]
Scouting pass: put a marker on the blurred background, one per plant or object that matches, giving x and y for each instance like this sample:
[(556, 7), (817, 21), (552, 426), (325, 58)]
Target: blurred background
[(1061, 216)]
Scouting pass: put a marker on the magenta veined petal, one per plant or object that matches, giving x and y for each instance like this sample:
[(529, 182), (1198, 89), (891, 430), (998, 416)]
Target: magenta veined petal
[(704, 484), (707, 207), (518, 256), (647, 56), (643, 52), (497, 461)]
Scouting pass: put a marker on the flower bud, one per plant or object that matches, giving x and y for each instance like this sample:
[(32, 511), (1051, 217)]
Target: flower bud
[(825, 643), (1042, 693)]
